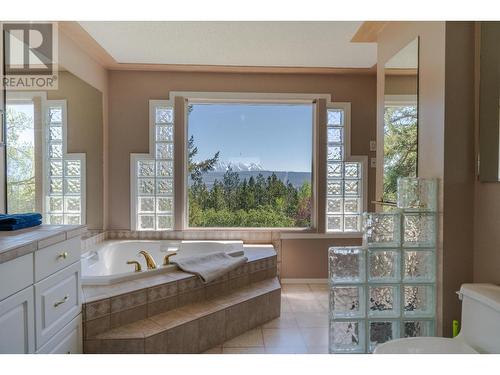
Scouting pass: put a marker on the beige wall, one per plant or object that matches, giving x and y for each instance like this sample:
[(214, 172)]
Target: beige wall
[(400, 85), (445, 141), (130, 91), (85, 135)]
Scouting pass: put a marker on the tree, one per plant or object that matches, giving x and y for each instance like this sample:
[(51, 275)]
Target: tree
[(400, 147), (20, 163)]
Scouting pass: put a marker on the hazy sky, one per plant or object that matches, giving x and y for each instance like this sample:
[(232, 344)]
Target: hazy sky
[(277, 136)]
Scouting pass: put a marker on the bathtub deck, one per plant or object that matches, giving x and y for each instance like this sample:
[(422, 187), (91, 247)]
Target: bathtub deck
[(176, 313)]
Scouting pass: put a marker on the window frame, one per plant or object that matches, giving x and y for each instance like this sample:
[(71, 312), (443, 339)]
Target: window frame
[(253, 100), (45, 105)]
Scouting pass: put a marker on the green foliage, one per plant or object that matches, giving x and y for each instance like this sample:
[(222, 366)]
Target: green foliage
[(255, 202), (20, 163), (400, 147)]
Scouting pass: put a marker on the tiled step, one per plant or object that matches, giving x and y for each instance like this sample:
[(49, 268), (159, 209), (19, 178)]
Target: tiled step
[(195, 327)]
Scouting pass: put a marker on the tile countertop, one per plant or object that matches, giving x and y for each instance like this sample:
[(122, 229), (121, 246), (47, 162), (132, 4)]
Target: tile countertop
[(14, 244)]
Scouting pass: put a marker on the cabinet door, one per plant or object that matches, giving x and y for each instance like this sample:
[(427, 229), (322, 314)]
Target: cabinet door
[(67, 341), (57, 302), (17, 323)]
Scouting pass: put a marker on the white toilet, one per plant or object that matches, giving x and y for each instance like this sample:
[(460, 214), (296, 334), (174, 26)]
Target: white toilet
[(480, 332)]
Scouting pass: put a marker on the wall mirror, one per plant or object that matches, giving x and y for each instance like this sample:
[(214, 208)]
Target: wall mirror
[(400, 143), (489, 103), (54, 152)]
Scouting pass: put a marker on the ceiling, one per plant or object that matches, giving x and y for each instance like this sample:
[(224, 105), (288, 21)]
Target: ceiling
[(268, 44)]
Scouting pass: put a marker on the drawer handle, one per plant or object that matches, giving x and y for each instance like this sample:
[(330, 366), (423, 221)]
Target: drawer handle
[(63, 255), (61, 301)]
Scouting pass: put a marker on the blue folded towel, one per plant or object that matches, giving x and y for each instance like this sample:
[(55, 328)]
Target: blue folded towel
[(19, 218), (20, 225), (19, 221)]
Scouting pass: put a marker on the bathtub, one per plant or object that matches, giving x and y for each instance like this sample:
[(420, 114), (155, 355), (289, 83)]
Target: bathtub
[(107, 262)]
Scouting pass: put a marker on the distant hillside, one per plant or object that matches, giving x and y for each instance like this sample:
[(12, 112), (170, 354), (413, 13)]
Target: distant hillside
[(297, 179)]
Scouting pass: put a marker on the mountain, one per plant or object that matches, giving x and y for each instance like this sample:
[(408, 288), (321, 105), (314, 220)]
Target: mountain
[(223, 166), (297, 179)]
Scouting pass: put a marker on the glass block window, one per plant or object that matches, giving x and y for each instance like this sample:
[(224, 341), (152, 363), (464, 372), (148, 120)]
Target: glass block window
[(344, 202), (64, 188), (153, 196)]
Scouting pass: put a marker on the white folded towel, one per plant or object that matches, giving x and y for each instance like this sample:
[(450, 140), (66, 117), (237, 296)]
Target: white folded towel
[(211, 266)]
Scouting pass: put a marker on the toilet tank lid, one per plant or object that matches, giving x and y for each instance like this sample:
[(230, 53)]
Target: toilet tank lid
[(487, 294)]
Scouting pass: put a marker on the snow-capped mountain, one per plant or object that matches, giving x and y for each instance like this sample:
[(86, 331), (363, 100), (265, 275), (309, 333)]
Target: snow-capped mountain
[(223, 166)]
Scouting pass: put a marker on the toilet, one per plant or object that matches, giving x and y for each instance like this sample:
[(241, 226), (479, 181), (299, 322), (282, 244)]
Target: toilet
[(480, 332)]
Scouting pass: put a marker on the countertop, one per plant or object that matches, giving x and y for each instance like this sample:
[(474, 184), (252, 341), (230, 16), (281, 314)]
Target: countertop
[(14, 244)]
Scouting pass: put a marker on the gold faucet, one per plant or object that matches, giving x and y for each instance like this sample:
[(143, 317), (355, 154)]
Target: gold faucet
[(150, 262), (166, 260), (137, 265)]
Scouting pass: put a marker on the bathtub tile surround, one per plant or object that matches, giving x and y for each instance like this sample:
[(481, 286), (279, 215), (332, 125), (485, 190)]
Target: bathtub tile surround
[(386, 289), (186, 315)]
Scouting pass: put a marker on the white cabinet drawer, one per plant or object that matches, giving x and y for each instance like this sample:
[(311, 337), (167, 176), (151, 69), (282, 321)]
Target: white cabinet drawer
[(15, 275), (57, 302), (17, 323), (53, 258), (67, 341)]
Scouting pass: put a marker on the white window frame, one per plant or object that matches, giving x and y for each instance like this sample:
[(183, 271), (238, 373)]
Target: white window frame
[(345, 107), (81, 157), (150, 156)]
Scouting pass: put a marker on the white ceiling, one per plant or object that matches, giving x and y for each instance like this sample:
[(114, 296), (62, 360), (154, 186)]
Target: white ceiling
[(297, 44)]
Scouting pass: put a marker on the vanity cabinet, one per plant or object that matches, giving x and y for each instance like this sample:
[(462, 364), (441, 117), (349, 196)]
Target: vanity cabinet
[(17, 323), (41, 300)]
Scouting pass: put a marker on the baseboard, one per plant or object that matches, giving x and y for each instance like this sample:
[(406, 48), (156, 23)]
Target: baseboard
[(304, 281)]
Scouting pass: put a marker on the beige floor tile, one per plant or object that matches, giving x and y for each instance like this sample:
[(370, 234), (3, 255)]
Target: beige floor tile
[(286, 320), (214, 350), (306, 306), (288, 350), (285, 305), (315, 337), (252, 338), (295, 288), (249, 350), (311, 319), (318, 350), (282, 337)]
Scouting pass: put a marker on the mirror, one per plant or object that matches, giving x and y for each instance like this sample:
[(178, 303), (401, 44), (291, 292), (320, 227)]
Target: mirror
[(400, 143), (489, 103), (54, 152)]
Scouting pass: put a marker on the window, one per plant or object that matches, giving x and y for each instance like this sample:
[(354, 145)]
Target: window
[(249, 164), (153, 174), (400, 141), (65, 183), (41, 175), (344, 202)]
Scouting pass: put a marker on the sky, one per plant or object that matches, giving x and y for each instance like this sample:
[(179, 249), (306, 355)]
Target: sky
[(278, 136)]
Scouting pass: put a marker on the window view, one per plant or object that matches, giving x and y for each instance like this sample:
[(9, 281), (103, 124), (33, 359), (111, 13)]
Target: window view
[(249, 165), (21, 195), (400, 146)]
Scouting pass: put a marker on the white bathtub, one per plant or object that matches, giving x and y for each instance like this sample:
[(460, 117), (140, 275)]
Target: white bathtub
[(107, 262)]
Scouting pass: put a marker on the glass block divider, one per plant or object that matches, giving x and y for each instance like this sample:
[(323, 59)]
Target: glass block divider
[(401, 323)]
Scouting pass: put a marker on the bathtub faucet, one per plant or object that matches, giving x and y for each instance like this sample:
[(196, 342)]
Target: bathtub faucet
[(150, 262)]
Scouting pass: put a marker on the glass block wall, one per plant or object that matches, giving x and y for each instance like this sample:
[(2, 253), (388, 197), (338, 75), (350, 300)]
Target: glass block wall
[(65, 173), (386, 289), (344, 178), (155, 174)]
